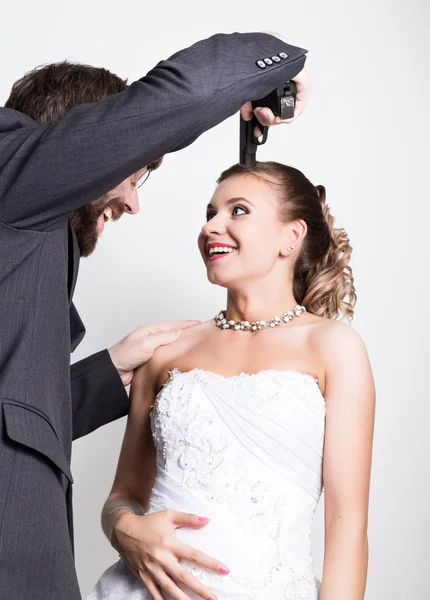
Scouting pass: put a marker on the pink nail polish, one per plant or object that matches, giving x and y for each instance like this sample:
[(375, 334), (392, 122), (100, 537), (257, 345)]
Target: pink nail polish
[(212, 598), (204, 519), (224, 570)]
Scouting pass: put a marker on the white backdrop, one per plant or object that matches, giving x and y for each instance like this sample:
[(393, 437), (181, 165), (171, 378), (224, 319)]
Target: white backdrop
[(364, 135)]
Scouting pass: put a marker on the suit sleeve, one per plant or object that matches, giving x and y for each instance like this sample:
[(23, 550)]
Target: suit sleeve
[(47, 172), (98, 394)]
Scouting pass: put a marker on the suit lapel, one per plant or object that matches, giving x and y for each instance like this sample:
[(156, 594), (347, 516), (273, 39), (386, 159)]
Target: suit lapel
[(77, 329), (74, 258)]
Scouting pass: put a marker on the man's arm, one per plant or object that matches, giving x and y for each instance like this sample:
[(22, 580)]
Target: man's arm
[(98, 393), (48, 171)]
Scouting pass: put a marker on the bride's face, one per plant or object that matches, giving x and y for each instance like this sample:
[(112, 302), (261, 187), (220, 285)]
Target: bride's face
[(243, 237)]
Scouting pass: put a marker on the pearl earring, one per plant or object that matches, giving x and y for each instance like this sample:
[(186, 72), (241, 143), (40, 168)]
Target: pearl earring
[(290, 248)]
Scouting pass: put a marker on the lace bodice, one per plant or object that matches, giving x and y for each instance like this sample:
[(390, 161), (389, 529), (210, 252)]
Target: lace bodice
[(245, 451)]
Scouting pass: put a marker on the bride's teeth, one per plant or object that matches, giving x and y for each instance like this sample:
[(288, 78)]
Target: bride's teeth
[(221, 250)]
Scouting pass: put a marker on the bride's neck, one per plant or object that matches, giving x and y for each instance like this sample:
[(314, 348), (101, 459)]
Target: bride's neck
[(256, 304)]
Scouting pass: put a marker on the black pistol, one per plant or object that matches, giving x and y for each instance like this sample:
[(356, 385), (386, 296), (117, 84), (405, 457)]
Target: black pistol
[(282, 102)]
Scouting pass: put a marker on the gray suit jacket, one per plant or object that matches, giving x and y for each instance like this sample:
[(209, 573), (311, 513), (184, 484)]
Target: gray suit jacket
[(47, 172)]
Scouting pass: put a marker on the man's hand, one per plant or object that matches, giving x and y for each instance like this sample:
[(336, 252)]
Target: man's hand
[(266, 116), (139, 345), (152, 552)]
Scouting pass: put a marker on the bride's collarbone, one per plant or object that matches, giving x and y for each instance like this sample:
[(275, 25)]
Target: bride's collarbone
[(232, 353), (230, 363)]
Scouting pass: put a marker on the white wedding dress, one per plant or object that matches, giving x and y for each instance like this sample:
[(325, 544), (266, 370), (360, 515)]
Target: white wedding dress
[(245, 451)]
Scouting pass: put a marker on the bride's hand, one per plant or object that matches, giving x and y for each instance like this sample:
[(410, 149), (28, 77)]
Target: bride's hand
[(152, 552)]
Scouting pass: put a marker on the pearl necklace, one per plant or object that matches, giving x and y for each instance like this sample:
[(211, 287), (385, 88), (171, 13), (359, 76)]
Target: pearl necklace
[(222, 323)]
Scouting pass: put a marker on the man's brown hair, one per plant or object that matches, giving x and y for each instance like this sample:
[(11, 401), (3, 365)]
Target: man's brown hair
[(48, 92)]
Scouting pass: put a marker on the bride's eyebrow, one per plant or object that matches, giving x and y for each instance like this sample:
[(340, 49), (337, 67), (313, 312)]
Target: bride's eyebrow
[(240, 199), (233, 201)]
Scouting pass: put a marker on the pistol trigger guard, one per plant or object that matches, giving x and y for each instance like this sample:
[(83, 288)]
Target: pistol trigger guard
[(263, 128)]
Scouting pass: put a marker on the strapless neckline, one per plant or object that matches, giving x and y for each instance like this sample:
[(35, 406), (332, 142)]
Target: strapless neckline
[(263, 373)]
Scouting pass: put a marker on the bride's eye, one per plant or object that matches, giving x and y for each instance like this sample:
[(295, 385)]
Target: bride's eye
[(236, 208), (210, 215)]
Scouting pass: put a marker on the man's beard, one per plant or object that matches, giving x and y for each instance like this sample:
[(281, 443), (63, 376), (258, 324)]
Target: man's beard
[(84, 221)]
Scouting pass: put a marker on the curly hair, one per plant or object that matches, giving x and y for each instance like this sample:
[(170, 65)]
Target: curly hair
[(322, 280)]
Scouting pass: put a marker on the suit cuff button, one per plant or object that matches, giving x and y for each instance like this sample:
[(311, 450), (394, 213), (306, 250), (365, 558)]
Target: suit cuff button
[(276, 59), (261, 64), (283, 55), (268, 61)]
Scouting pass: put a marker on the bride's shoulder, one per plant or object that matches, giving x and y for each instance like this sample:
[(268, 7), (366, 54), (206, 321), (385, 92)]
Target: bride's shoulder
[(167, 357), (334, 331), (189, 338), (333, 338)]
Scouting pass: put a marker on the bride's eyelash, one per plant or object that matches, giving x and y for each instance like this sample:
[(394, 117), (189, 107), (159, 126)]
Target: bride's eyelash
[(242, 208), (211, 214)]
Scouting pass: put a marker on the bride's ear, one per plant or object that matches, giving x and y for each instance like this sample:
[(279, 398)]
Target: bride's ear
[(294, 235)]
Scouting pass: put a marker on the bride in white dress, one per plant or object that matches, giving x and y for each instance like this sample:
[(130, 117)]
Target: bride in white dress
[(243, 420)]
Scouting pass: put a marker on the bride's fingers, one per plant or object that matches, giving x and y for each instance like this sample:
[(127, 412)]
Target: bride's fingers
[(197, 557), (152, 587), (169, 586), (182, 519), (179, 574)]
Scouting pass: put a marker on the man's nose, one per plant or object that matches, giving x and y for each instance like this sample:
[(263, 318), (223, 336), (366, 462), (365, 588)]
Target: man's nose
[(131, 202)]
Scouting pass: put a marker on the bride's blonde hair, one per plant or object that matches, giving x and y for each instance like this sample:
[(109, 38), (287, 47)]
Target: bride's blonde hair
[(323, 280)]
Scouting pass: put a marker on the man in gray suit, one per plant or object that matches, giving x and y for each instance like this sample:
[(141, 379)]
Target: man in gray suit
[(65, 168)]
